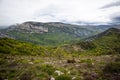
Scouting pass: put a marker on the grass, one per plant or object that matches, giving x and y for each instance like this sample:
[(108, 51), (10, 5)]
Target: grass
[(35, 67)]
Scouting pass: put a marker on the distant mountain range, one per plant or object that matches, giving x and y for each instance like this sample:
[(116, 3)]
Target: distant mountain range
[(52, 33)]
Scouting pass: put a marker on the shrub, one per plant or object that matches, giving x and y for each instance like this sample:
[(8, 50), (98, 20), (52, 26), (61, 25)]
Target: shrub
[(86, 61), (87, 45), (90, 76), (113, 67), (26, 76), (47, 69), (2, 61), (71, 61), (63, 77), (43, 75)]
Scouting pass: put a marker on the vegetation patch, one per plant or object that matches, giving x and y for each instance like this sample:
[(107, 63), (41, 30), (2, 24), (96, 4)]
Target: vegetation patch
[(113, 67)]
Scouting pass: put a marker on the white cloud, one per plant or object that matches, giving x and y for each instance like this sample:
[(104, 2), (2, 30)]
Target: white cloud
[(17, 11)]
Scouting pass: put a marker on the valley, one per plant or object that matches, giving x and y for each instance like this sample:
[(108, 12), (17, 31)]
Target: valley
[(52, 33), (65, 56)]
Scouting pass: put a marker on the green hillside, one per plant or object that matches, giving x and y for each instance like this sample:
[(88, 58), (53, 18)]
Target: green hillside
[(42, 39), (14, 47), (107, 42)]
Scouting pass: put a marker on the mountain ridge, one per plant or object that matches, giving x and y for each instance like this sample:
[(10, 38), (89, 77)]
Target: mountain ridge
[(108, 32), (51, 33)]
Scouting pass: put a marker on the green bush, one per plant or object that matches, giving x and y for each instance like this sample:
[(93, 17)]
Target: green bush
[(86, 61), (63, 77), (71, 61), (113, 67), (26, 76), (47, 69), (86, 45), (2, 61)]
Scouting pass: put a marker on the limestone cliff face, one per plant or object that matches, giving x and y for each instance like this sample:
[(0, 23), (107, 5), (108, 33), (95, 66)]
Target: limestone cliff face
[(28, 28), (53, 27), (2, 35)]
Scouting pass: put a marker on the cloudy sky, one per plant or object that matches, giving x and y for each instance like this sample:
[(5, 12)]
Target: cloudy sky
[(68, 11)]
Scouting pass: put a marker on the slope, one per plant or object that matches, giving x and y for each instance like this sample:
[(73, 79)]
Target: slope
[(14, 47), (53, 33), (108, 42)]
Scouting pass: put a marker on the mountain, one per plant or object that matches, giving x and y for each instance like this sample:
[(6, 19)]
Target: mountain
[(108, 32), (115, 26), (2, 35), (107, 42), (52, 33)]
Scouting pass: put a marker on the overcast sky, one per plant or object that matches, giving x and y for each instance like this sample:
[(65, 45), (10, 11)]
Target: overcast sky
[(68, 11)]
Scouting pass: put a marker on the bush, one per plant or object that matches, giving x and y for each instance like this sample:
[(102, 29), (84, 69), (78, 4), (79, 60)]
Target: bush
[(113, 67), (2, 61), (47, 69), (87, 61), (71, 61), (87, 45), (63, 77), (26, 76)]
